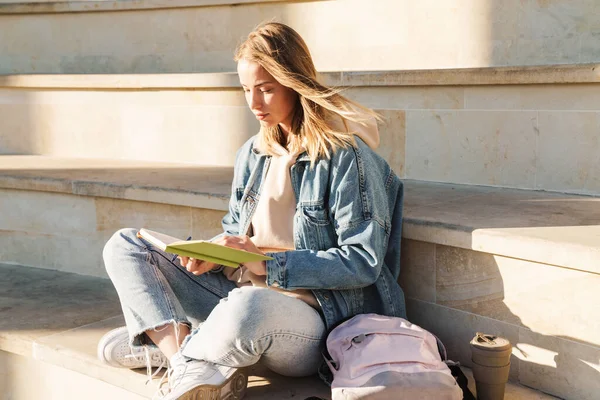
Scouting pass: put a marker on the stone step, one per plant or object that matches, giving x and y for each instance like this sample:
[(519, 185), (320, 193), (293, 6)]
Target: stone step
[(517, 263), (51, 322), (201, 35), (101, 196), (490, 126)]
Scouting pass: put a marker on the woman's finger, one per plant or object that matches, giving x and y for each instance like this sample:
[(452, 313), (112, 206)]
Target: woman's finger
[(199, 267), (183, 260), (191, 264)]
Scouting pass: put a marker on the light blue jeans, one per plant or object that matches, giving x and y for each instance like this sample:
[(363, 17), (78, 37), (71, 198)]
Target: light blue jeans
[(240, 326)]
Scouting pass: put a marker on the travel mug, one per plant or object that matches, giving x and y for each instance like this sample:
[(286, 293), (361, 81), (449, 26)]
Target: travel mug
[(491, 363)]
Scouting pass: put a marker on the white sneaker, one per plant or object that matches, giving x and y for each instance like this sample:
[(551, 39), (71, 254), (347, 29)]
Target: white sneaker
[(190, 379), (114, 350)]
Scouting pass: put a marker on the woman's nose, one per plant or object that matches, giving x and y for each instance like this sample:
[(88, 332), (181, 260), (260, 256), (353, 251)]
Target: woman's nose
[(255, 101)]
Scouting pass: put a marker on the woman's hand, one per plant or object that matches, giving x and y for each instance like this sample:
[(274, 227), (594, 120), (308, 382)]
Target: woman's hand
[(245, 243), (195, 266)]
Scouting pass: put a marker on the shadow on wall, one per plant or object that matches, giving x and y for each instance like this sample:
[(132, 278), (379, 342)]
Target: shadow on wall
[(513, 297), (549, 312), (461, 292)]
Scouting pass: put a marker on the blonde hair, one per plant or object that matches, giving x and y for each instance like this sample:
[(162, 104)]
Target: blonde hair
[(282, 52)]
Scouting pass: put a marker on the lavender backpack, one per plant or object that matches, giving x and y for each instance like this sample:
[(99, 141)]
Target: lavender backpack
[(377, 357)]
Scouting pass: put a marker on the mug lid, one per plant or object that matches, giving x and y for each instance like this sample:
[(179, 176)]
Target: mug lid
[(490, 342)]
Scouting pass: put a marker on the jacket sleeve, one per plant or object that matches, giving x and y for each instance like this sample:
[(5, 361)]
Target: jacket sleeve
[(362, 234)]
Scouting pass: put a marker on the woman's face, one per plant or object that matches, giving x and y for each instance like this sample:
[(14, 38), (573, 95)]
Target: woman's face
[(271, 102)]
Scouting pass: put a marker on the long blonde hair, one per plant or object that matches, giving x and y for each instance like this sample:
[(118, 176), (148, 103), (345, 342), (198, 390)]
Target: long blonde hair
[(282, 52)]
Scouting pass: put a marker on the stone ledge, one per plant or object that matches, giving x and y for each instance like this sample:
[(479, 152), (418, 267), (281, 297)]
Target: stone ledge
[(550, 228), (37, 320), (64, 331), (167, 183), (524, 75), (51, 7), (545, 227)]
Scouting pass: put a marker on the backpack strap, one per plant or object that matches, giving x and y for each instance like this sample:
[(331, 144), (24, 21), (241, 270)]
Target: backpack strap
[(455, 370), (330, 363), (441, 348), (461, 379)]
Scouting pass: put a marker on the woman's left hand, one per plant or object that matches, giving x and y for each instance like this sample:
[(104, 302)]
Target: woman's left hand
[(245, 243)]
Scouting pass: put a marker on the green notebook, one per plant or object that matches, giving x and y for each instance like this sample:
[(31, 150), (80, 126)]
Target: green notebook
[(201, 249)]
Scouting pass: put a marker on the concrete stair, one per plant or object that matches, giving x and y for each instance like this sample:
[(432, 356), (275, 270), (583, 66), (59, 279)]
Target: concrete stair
[(504, 127), (51, 340), (521, 264), (50, 325), (200, 35), (137, 125)]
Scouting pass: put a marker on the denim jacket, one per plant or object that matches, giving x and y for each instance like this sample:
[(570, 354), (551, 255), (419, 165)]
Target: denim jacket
[(347, 229)]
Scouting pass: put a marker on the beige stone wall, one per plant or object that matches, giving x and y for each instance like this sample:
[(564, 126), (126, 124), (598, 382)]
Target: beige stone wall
[(52, 381), (70, 235), (203, 127), (548, 313), (342, 35), (523, 136)]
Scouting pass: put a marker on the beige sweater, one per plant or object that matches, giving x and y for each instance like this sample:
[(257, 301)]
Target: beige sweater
[(272, 222)]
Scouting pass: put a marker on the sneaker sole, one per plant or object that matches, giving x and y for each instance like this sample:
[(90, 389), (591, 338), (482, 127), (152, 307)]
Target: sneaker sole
[(103, 344), (233, 389)]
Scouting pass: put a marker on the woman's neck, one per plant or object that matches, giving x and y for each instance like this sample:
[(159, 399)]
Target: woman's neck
[(285, 134)]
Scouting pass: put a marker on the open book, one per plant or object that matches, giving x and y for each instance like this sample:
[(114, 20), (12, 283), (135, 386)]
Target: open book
[(201, 249)]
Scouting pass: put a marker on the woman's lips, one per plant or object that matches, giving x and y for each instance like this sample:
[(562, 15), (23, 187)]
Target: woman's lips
[(260, 117)]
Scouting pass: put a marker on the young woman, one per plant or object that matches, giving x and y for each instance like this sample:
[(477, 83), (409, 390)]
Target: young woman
[(309, 191)]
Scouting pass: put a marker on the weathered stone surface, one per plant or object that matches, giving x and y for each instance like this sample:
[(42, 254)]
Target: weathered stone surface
[(548, 300), (456, 328), (542, 227), (417, 272), (569, 145), (171, 183), (52, 381), (114, 214), (46, 213), (481, 148), (59, 318), (465, 277), (392, 131), (37, 303), (533, 97), (77, 253), (407, 98), (550, 228), (18, 134), (386, 35), (512, 391), (206, 223), (558, 365)]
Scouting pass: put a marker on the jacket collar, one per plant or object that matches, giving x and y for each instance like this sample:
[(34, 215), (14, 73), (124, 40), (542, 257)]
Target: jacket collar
[(301, 157)]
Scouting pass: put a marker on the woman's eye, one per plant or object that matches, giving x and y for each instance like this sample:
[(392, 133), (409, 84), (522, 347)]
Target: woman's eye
[(267, 91)]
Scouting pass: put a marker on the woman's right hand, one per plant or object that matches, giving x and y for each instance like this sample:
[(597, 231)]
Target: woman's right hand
[(195, 266)]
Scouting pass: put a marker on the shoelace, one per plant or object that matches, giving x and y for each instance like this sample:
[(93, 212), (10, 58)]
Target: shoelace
[(148, 358), (171, 381), (161, 392)]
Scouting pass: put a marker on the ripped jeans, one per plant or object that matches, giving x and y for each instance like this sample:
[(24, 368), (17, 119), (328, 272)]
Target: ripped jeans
[(240, 326)]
